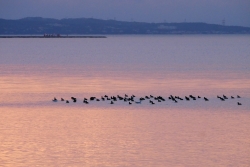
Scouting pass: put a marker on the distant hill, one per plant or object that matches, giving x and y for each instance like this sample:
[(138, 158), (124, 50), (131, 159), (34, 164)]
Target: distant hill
[(38, 25)]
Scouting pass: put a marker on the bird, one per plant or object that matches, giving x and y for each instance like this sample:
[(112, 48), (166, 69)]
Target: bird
[(74, 99), (232, 97), (54, 100), (92, 98), (238, 96), (62, 99), (225, 97), (129, 103), (191, 96), (161, 98), (111, 102), (205, 99), (67, 101), (84, 101), (221, 99), (239, 103), (142, 98)]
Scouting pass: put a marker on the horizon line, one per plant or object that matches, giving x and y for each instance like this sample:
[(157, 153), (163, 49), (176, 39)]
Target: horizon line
[(114, 19)]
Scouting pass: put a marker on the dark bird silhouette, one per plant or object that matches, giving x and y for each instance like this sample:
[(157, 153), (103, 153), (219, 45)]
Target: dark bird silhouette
[(111, 102), (54, 100), (225, 97), (239, 103), (74, 99), (92, 98), (67, 101), (62, 99), (221, 99), (142, 98), (206, 99), (238, 96), (191, 96)]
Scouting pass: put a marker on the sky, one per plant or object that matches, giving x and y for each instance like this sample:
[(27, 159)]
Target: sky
[(235, 12)]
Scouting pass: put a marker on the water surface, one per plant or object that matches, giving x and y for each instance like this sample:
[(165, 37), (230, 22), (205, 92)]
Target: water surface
[(36, 131)]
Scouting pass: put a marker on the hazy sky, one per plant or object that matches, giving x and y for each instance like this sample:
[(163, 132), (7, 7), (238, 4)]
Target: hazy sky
[(235, 12)]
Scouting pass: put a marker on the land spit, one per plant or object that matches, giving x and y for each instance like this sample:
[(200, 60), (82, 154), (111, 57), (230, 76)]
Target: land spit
[(37, 36)]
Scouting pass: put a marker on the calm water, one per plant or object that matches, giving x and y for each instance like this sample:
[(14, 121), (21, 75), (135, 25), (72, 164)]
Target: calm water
[(34, 131)]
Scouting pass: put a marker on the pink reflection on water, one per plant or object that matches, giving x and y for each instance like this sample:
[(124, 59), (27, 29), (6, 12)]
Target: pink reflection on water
[(99, 134), (40, 83), (59, 136)]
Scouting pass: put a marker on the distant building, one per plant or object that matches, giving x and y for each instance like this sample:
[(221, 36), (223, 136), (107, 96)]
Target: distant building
[(51, 35)]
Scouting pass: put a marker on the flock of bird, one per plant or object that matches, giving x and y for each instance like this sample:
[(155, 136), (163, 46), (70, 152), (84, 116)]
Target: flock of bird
[(151, 99)]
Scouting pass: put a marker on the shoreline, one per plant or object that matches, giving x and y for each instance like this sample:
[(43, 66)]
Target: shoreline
[(30, 36)]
